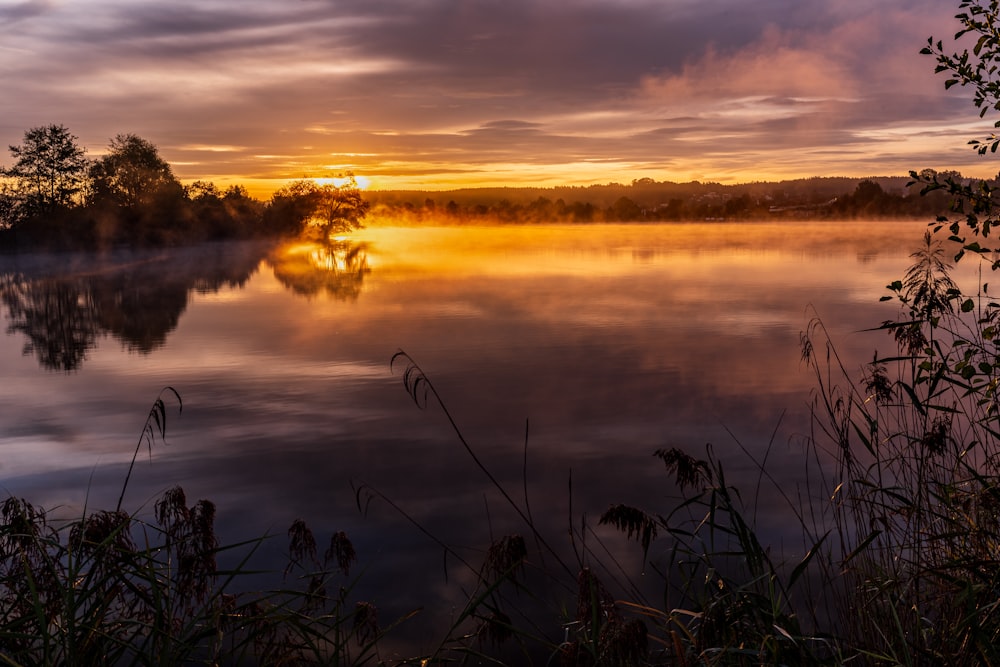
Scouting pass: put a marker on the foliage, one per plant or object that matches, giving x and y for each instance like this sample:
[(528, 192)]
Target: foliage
[(305, 207), (52, 197), (904, 528), (977, 69), (499, 622), (726, 602), (131, 173), (889, 198), (48, 173), (228, 214), (113, 589)]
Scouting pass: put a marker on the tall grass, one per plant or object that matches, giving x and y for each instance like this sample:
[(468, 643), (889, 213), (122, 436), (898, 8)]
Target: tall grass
[(111, 588), (900, 522), (901, 518)]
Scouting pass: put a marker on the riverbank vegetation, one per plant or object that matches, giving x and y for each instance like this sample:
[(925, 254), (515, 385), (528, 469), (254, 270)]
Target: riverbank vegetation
[(53, 197), (110, 588)]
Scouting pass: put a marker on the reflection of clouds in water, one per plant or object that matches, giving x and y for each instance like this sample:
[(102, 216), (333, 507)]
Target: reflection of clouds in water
[(29, 455), (288, 400)]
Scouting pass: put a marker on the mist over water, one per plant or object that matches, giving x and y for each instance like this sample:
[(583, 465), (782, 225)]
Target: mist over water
[(594, 344)]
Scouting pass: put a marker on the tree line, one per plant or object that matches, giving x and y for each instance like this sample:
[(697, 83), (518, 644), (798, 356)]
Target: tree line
[(646, 200), (54, 196)]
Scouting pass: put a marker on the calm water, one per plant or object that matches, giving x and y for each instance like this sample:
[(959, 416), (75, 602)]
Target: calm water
[(609, 340)]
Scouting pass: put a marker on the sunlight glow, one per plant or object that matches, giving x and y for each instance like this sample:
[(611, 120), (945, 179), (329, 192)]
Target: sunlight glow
[(211, 148), (341, 181)]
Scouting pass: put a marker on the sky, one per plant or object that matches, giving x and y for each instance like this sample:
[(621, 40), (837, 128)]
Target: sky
[(440, 94)]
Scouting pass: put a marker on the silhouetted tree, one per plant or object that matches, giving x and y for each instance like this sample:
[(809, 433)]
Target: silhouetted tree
[(200, 190), (48, 172), (8, 206), (624, 210), (223, 215), (339, 208), (325, 210), (867, 192), (738, 206), (289, 209), (132, 173), (541, 210), (135, 188)]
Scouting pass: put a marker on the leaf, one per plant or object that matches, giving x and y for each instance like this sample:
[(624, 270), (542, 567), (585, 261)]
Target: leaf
[(913, 397), (804, 563), (861, 547)]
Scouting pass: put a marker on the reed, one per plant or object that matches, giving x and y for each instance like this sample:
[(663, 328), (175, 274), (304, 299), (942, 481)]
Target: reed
[(901, 519), (900, 523), (110, 588)]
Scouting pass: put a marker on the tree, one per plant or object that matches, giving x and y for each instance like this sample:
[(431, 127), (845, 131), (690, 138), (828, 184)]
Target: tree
[(48, 172), (201, 190), (624, 210), (305, 206), (223, 215), (338, 208), (132, 173)]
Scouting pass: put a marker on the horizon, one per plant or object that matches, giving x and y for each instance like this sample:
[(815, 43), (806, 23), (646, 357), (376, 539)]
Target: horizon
[(519, 94)]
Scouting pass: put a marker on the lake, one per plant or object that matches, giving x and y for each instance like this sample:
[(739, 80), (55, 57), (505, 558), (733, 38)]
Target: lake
[(565, 354)]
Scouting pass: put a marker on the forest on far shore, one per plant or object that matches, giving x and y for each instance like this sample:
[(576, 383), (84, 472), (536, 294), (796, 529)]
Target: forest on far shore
[(648, 200), (54, 197)]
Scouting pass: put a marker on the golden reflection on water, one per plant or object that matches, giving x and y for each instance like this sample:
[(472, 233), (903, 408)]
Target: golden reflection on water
[(615, 340), (742, 270), (337, 268), (615, 249)]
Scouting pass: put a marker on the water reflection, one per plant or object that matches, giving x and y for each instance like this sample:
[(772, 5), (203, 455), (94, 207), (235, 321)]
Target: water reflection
[(57, 317), (337, 269), (613, 340), (62, 304)]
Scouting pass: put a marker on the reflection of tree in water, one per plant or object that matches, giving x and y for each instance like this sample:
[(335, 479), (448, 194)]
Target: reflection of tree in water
[(58, 317), (138, 310), (337, 268), (137, 298)]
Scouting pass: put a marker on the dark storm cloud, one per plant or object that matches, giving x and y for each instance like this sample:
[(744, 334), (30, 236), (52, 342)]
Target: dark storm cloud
[(444, 86)]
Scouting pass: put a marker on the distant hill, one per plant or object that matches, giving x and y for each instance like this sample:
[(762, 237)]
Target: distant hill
[(648, 200)]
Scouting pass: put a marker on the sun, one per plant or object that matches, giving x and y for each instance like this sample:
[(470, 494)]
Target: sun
[(361, 182)]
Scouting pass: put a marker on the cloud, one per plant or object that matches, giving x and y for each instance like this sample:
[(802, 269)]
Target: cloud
[(439, 86), (767, 69), (18, 11)]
